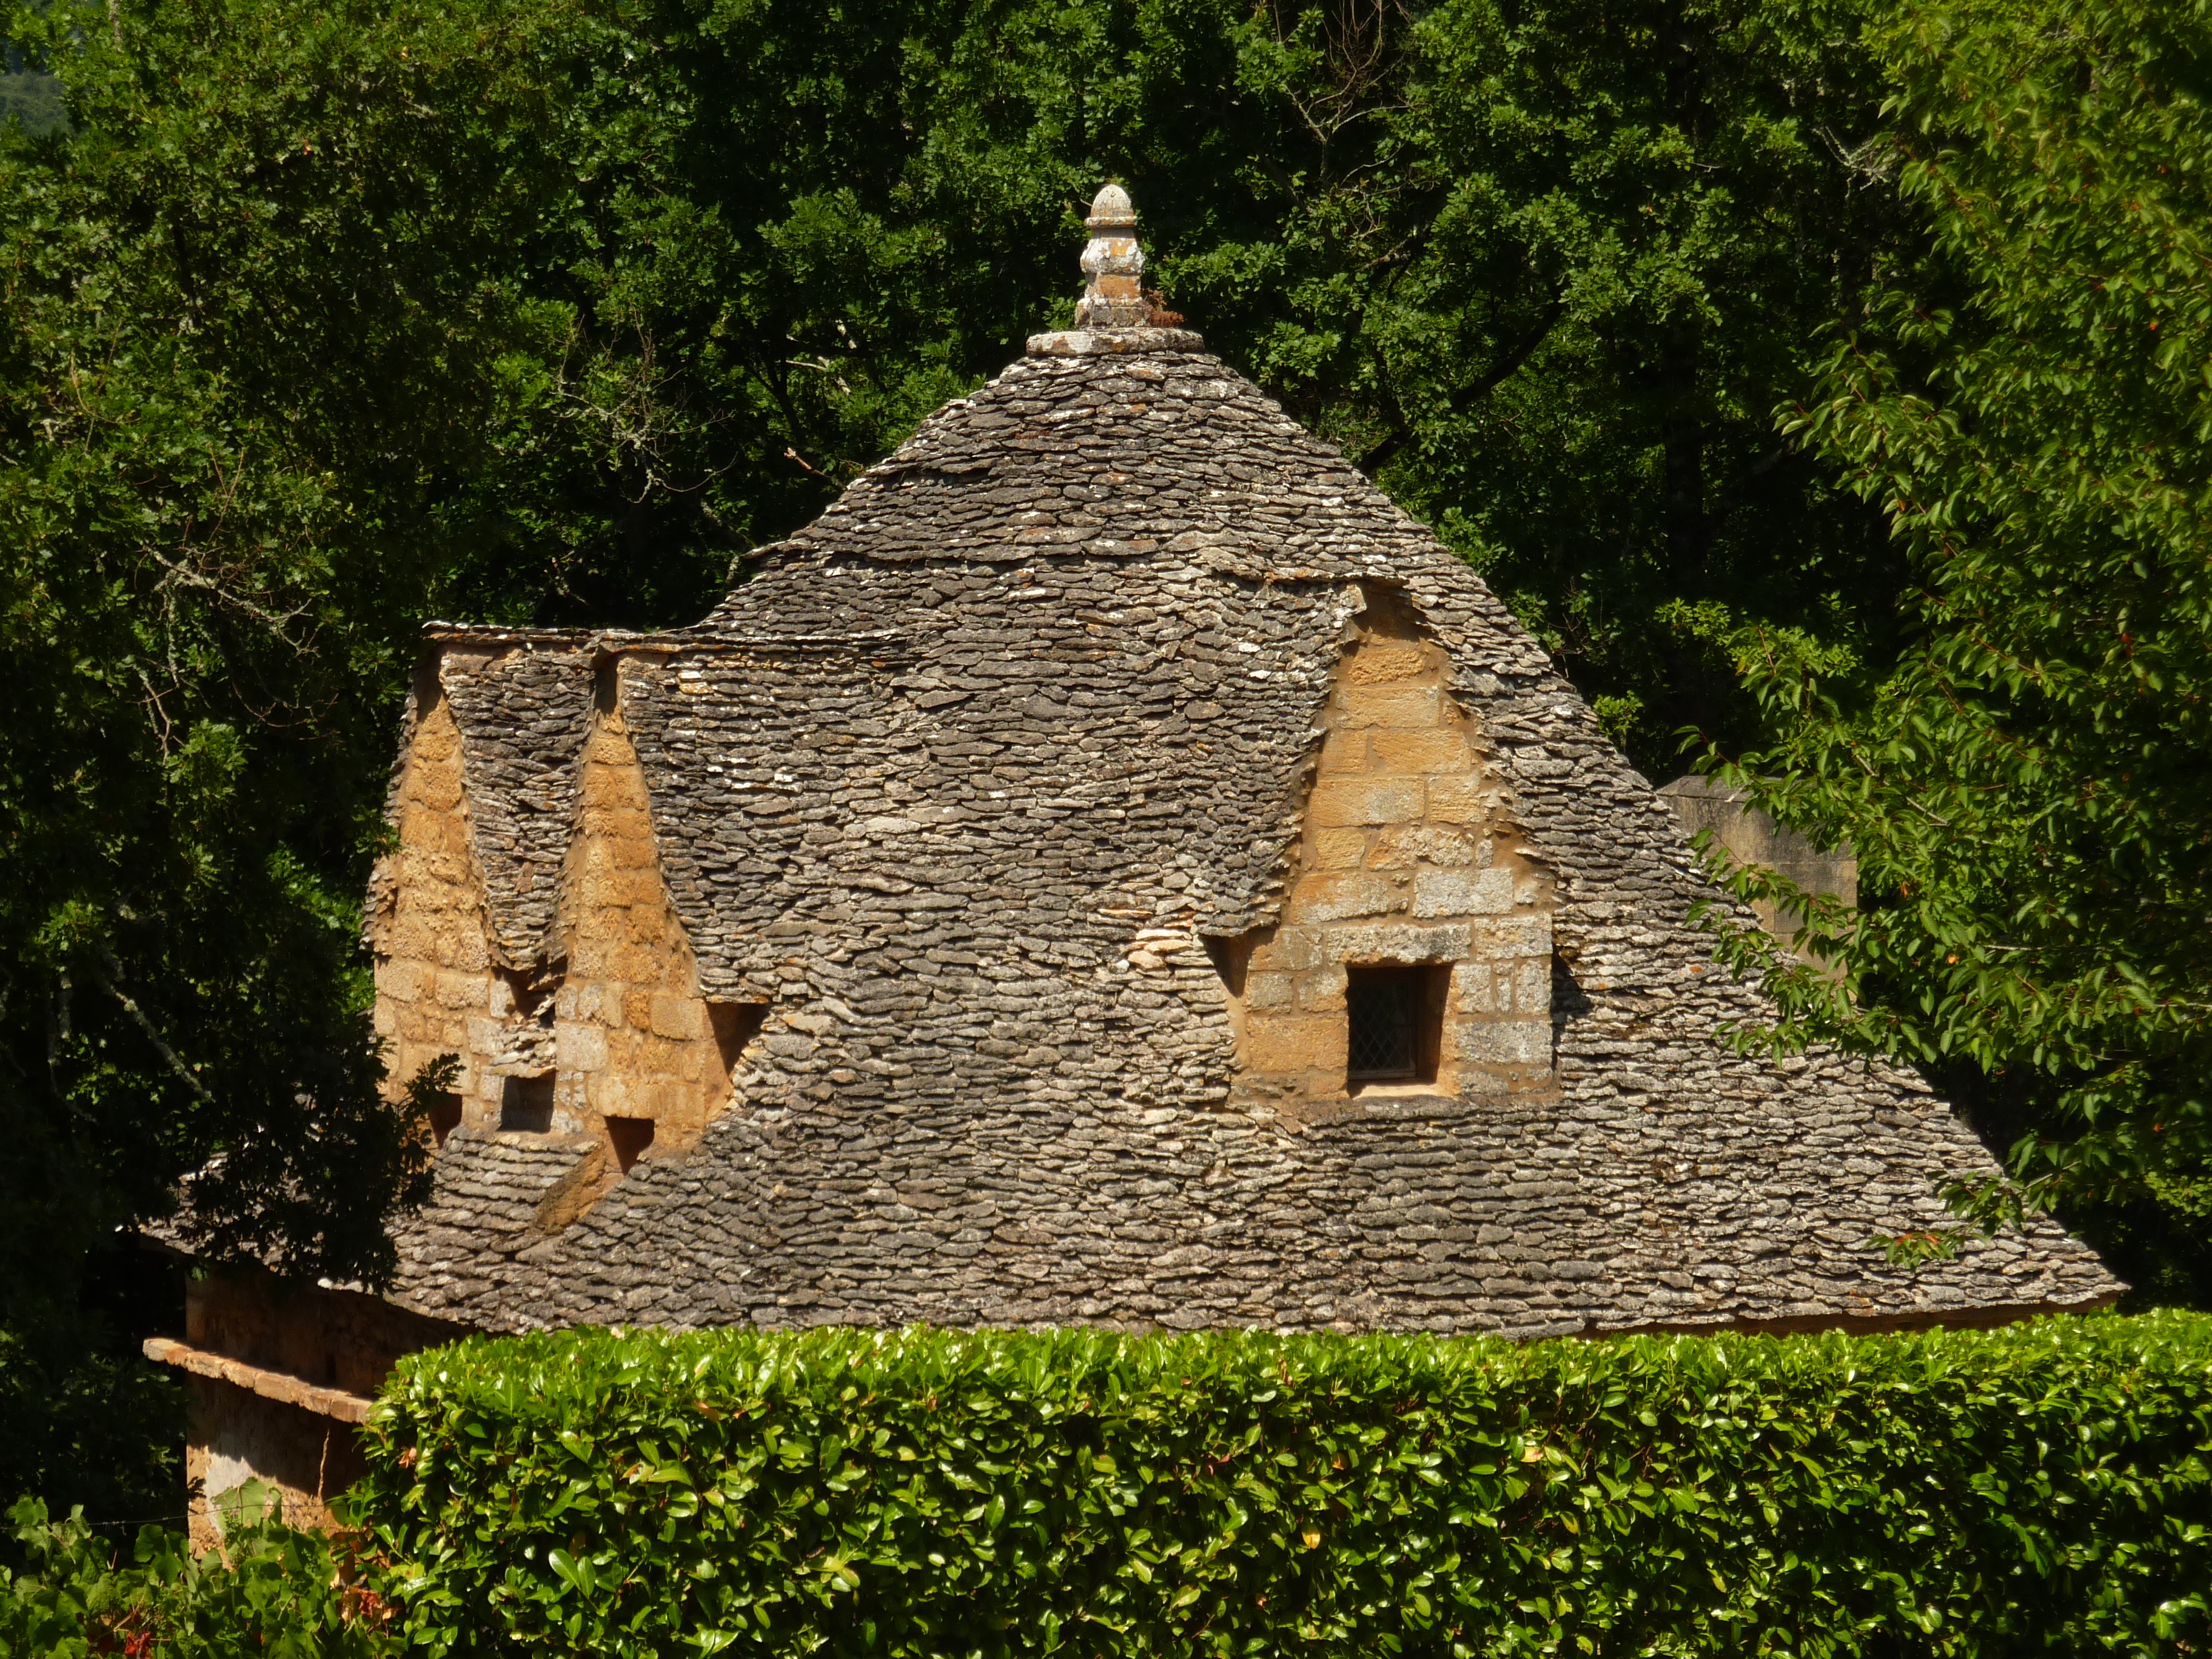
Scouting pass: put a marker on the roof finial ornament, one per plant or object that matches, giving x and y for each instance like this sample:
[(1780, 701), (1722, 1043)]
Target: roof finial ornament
[(1114, 314), (1115, 263)]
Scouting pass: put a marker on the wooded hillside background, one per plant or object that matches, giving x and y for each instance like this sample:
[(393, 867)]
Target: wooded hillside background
[(1823, 381)]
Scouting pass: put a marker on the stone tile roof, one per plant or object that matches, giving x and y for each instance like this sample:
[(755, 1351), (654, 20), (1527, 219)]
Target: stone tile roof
[(523, 715), (491, 1206), (963, 775)]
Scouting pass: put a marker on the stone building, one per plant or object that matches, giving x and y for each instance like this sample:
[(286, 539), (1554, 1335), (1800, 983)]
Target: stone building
[(1113, 866)]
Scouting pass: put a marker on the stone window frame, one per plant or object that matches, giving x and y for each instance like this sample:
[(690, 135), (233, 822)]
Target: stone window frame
[(1422, 989), (526, 1103)]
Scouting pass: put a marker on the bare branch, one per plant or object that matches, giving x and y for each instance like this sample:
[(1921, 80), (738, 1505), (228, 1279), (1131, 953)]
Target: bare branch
[(109, 972)]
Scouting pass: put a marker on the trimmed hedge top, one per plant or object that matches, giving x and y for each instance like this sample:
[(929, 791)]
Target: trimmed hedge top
[(2038, 1488)]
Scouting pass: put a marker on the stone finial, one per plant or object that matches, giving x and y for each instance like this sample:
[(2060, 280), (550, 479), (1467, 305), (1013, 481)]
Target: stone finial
[(1114, 315), (1116, 265)]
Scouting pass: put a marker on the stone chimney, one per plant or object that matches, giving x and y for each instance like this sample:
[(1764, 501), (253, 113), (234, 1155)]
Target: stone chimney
[(1751, 837)]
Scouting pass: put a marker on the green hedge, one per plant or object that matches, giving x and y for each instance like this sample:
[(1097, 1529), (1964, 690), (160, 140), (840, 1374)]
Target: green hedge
[(2042, 1488)]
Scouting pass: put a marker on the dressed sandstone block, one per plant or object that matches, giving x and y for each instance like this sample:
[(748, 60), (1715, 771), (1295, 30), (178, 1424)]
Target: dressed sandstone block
[(460, 990), (1530, 979), (1406, 942), (1462, 799), (637, 963), (1345, 802), (1404, 846), (402, 978), (1297, 1042), (578, 1047), (1378, 661), (1332, 897), (1405, 706), (1340, 849), (1291, 950), (1343, 755), (1523, 934), (1505, 1042), (1462, 892), (590, 960), (1322, 990), (1441, 750)]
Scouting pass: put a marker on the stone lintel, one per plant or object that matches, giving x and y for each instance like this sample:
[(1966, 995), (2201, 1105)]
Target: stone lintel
[(280, 1386)]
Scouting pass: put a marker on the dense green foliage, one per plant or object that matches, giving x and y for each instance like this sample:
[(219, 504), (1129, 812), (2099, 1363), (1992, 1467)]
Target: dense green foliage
[(1544, 270), (1554, 310), (2028, 786), (30, 98), (31, 101), (251, 336), (86, 1416), (2040, 1489), (272, 1593)]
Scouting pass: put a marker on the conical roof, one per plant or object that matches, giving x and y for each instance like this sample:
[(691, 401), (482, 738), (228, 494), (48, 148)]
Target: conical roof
[(1008, 784)]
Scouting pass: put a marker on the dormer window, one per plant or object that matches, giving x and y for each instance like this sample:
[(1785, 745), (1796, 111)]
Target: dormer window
[(525, 1104), (445, 1115), (1395, 1015)]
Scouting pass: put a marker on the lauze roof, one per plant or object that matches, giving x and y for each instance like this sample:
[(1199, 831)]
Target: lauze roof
[(971, 787)]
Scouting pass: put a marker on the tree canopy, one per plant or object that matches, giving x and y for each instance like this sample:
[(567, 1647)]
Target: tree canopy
[(2026, 398), (254, 331)]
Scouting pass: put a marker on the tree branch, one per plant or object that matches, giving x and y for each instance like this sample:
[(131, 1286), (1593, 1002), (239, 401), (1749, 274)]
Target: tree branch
[(107, 970), (1468, 396)]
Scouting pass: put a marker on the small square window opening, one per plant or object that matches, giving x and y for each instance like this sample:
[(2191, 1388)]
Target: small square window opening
[(525, 1104), (445, 1115), (1396, 1016), (630, 1137)]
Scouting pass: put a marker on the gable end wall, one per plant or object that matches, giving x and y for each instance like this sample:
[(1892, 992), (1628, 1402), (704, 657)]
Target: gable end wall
[(1409, 856)]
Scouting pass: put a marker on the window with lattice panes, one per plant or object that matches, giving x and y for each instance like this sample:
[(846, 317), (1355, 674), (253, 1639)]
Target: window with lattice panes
[(1396, 1019)]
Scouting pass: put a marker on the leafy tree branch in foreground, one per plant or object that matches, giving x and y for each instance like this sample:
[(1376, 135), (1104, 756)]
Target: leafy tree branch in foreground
[(2027, 790)]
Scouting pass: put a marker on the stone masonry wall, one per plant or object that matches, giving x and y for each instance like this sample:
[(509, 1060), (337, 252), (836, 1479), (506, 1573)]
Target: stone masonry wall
[(1407, 857), (1750, 837), (322, 1335), (634, 1041), (427, 921), (233, 1436)]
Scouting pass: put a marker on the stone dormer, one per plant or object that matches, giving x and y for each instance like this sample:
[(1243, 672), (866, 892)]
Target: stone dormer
[(523, 925)]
